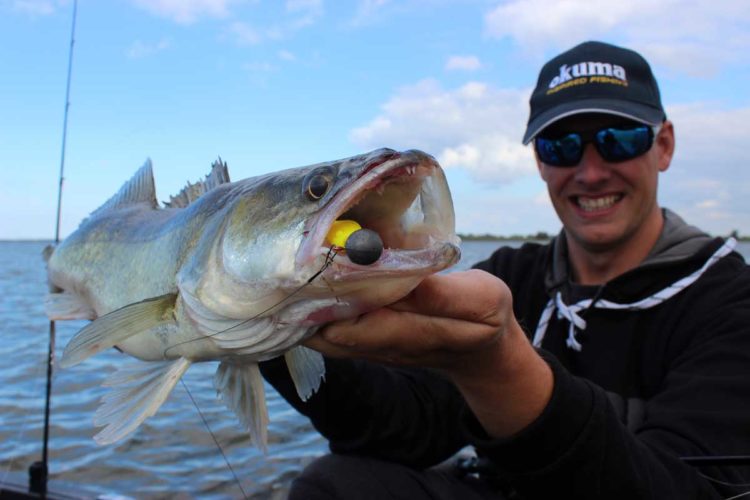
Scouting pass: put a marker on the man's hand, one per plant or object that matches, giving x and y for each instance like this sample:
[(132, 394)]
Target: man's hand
[(463, 325), (446, 319)]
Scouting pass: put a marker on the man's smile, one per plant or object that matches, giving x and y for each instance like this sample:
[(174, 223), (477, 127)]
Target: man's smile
[(590, 204)]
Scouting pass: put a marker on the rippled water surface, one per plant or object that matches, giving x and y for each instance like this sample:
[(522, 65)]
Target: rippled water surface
[(171, 454)]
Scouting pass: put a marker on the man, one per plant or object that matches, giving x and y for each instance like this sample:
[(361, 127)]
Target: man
[(592, 367)]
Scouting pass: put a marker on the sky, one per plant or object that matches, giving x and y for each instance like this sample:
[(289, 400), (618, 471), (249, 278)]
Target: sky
[(268, 85)]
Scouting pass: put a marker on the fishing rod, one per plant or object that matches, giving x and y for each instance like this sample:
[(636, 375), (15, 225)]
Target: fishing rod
[(38, 471)]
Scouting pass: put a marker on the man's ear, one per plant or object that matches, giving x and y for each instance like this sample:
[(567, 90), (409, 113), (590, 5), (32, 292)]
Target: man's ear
[(665, 142)]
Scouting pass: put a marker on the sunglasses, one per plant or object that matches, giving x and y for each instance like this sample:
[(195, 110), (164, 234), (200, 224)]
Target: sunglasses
[(614, 144)]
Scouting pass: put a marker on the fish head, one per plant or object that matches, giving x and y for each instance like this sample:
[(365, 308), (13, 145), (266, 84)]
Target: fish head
[(275, 241)]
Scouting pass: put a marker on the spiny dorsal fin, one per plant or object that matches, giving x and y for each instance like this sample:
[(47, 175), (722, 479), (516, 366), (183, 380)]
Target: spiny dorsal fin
[(139, 189), (219, 175)]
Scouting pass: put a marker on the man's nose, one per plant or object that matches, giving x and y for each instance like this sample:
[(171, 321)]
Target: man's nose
[(592, 168)]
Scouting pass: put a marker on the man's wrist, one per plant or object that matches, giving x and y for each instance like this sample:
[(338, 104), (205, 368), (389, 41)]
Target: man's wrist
[(509, 385)]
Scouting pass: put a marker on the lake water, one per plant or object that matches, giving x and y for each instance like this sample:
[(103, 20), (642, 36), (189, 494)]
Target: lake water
[(171, 455)]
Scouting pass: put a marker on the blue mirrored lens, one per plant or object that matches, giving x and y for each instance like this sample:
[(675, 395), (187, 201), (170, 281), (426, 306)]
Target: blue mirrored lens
[(565, 151), (617, 145)]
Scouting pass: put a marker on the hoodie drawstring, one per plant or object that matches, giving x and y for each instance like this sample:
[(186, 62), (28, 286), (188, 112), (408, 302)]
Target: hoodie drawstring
[(570, 312)]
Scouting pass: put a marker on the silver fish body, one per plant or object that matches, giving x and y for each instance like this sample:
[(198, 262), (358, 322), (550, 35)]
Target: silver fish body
[(241, 272)]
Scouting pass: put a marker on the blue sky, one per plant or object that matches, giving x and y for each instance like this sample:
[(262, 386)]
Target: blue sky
[(270, 85)]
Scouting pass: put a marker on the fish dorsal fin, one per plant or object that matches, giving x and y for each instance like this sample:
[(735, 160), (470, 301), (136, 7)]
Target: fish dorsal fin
[(116, 326), (139, 189), (138, 391), (241, 388), (307, 369), (219, 175)]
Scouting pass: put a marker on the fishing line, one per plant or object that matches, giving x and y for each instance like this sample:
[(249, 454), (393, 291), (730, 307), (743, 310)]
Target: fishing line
[(213, 436), (332, 252)]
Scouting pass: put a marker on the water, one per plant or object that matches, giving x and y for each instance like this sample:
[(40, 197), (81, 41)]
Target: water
[(171, 454)]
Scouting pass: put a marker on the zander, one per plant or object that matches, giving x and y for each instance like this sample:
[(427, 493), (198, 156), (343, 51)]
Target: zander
[(241, 272)]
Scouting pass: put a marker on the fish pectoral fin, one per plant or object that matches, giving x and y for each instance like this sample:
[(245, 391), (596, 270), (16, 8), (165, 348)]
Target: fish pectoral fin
[(241, 389), (138, 392), (113, 328), (307, 369), (66, 305)]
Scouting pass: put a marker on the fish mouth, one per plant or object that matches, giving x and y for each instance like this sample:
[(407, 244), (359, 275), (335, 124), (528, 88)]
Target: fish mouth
[(404, 198)]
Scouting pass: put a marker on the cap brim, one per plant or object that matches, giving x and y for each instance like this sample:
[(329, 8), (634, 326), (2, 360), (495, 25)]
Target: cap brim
[(630, 110)]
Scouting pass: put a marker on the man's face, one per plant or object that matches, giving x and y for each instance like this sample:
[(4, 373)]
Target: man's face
[(603, 205)]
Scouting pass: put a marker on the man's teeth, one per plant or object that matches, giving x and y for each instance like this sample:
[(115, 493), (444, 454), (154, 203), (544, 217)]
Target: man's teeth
[(593, 204)]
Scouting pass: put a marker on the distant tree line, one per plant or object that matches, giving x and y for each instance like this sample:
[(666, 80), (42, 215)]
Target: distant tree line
[(538, 236), (544, 236)]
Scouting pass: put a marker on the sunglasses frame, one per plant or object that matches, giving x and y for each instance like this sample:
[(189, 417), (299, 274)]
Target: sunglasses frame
[(593, 137)]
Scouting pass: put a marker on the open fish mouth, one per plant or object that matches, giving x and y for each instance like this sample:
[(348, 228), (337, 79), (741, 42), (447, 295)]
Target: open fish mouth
[(405, 199)]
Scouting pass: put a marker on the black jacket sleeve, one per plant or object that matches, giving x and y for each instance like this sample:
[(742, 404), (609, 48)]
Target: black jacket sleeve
[(410, 416)]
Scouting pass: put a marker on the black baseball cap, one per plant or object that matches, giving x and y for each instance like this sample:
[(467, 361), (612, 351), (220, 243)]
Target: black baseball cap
[(594, 77)]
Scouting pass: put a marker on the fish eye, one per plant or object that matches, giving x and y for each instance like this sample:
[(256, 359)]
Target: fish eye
[(318, 186)]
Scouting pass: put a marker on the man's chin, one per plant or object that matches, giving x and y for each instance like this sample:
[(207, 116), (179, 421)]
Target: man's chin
[(596, 240)]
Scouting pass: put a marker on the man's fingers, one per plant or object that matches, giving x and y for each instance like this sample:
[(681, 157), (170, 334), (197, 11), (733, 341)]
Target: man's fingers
[(404, 338), (470, 295)]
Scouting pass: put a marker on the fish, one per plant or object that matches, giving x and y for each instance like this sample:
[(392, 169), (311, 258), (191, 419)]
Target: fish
[(239, 273)]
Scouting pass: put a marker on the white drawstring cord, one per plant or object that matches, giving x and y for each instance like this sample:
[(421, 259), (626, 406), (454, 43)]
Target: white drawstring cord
[(570, 312)]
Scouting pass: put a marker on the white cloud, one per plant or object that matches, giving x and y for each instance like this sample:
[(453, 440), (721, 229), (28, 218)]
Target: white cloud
[(35, 7), (475, 127), (466, 63), (368, 11), (707, 204), (695, 37), (299, 15), (141, 49), (706, 182), (305, 6), (187, 11), (259, 67), (244, 34), (286, 55)]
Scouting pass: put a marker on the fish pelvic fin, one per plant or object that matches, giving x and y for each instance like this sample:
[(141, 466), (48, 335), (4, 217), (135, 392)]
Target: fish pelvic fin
[(111, 329), (219, 175), (241, 389), (138, 392), (139, 189), (307, 369)]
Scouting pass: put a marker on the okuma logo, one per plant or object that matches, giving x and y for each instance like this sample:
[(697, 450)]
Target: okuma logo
[(589, 68)]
